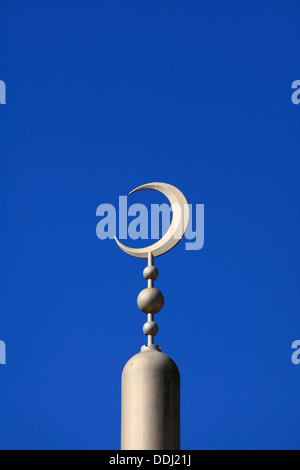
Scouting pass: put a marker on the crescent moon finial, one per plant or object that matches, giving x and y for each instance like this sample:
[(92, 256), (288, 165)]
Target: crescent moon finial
[(177, 229), (151, 300)]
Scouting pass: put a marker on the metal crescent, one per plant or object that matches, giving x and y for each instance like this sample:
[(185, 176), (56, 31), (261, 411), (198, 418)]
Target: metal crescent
[(177, 229)]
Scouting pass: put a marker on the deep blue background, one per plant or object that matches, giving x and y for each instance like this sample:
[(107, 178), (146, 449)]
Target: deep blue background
[(103, 96)]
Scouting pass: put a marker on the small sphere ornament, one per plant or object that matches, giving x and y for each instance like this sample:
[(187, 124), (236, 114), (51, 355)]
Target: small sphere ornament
[(150, 272), (150, 328), (150, 300)]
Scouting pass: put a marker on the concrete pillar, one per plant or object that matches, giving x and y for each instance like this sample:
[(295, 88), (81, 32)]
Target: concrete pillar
[(150, 402)]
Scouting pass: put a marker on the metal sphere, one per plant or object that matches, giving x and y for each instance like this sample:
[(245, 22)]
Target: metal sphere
[(150, 328), (150, 272), (150, 300)]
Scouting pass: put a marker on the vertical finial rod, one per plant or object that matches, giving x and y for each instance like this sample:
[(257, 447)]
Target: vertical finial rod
[(150, 264), (150, 284)]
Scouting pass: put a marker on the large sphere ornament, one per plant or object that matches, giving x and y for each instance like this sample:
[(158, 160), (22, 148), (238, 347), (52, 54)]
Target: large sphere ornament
[(150, 300)]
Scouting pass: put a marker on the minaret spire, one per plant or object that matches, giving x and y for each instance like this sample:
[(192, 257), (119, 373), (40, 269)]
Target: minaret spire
[(150, 379)]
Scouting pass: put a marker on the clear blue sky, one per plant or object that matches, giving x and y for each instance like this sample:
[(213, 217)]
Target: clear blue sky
[(103, 96)]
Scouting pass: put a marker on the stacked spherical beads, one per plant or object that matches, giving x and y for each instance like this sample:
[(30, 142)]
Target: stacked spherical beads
[(150, 301)]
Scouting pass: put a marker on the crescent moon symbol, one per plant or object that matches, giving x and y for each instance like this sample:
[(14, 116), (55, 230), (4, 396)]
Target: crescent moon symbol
[(177, 229)]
